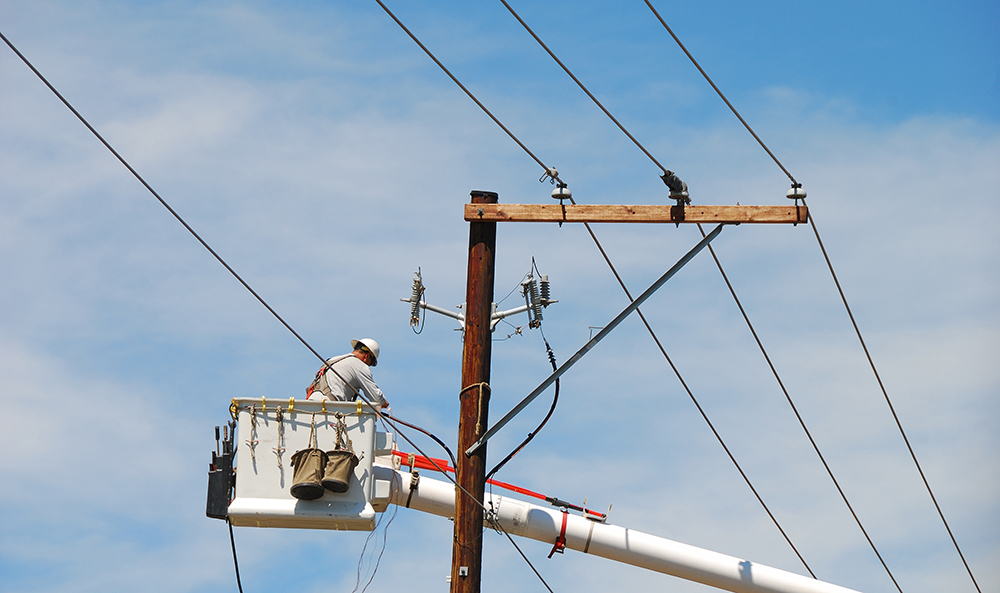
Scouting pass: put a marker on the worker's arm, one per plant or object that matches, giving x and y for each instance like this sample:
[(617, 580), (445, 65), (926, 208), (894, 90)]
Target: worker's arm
[(363, 374)]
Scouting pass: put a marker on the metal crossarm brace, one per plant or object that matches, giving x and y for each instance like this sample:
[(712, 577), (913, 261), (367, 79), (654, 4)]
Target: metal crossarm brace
[(593, 341)]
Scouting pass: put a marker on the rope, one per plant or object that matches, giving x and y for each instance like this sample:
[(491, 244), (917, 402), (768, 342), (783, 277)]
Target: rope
[(279, 417), (252, 443), (479, 414)]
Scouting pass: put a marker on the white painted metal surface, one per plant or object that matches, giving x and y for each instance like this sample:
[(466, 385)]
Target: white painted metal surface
[(262, 485), (263, 500), (609, 541)]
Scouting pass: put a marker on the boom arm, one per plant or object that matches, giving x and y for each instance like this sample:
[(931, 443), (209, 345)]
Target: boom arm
[(608, 541)]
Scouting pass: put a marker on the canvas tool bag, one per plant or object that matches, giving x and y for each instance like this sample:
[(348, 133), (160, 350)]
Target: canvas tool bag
[(340, 462), (309, 464)]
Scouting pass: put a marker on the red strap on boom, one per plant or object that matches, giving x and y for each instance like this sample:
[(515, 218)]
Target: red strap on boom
[(560, 545)]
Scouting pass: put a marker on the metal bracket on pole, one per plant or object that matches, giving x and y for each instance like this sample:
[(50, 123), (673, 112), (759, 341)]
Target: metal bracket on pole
[(593, 341)]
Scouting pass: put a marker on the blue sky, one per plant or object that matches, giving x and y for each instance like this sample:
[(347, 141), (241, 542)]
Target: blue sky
[(325, 157)]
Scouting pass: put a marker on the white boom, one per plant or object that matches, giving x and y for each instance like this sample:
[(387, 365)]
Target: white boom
[(270, 430), (608, 541)]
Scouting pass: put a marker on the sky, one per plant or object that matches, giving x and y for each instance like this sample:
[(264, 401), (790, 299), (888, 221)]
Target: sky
[(326, 158)]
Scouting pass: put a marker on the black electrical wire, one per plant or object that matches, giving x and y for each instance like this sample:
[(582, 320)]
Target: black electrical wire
[(431, 435), (161, 200), (467, 91), (497, 525), (231, 271), (701, 410), (236, 564), (621, 282), (798, 416), (888, 401), (857, 330), (722, 96), (531, 435), (718, 263), (582, 87)]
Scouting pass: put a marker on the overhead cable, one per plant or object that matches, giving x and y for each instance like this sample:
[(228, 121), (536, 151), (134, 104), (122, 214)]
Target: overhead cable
[(628, 294), (798, 416), (624, 287), (548, 170), (722, 96), (161, 200), (541, 425), (888, 402), (871, 362), (581, 85), (701, 410), (718, 263)]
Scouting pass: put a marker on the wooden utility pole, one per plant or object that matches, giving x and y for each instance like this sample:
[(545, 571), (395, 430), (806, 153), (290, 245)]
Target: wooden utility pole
[(467, 548)]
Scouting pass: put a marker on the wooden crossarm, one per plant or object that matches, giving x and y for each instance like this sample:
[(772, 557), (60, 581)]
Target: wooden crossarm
[(789, 214)]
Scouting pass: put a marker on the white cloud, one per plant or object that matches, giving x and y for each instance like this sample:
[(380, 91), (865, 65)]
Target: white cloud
[(327, 191)]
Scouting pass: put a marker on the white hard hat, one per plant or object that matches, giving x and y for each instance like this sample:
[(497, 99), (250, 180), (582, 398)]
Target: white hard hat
[(370, 344)]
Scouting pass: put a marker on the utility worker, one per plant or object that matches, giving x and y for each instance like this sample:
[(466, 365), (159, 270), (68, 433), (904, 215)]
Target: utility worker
[(342, 377)]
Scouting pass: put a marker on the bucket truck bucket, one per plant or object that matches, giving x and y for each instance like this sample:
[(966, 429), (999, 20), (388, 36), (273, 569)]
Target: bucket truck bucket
[(271, 431)]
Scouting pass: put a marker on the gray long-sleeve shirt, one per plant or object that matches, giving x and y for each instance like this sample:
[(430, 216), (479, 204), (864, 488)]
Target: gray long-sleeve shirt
[(358, 376)]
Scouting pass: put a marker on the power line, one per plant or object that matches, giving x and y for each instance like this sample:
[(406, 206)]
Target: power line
[(629, 295), (604, 254), (581, 85), (733, 109), (888, 401), (857, 330), (160, 199), (467, 91), (798, 416), (746, 318), (701, 410)]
